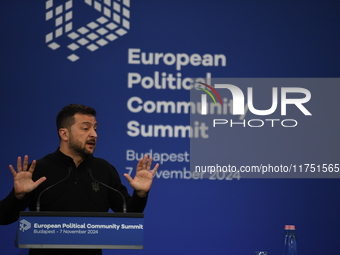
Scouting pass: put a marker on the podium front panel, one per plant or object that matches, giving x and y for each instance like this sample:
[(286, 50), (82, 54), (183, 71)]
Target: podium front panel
[(63, 230)]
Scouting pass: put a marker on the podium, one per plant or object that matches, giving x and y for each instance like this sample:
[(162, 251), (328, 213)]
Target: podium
[(80, 230)]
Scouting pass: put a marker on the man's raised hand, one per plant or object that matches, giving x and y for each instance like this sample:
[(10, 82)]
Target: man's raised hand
[(143, 179), (23, 182)]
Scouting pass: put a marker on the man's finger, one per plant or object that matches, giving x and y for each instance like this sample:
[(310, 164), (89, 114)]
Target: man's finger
[(14, 173), (140, 164), (154, 169), (40, 181), (32, 167), (149, 163), (24, 168), (128, 177), (19, 165), (143, 166)]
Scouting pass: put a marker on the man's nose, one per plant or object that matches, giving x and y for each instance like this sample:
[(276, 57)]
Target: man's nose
[(93, 133)]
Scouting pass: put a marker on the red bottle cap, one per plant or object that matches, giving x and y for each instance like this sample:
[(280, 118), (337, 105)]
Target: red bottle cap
[(289, 227)]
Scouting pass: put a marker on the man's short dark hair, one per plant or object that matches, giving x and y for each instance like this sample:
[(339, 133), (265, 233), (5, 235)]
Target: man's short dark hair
[(65, 118)]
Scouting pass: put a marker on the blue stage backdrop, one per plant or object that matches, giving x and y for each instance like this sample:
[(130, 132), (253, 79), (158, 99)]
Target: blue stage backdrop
[(132, 61)]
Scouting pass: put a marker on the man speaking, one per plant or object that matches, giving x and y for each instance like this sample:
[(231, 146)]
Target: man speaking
[(65, 179)]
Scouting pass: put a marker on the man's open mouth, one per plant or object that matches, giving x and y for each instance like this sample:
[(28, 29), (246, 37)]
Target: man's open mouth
[(91, 143)]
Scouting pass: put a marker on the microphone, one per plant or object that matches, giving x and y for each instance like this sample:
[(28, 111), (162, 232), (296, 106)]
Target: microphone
[(124, 202), (55, 184)]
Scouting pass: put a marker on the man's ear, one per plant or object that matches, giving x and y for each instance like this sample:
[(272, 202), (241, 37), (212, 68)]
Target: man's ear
[(64, 134)]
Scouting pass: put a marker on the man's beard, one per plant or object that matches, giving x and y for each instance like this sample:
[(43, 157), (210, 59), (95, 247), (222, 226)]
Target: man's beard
[(78, 148)]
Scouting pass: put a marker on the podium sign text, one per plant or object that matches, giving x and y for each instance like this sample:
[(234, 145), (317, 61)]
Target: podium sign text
[(73, 230)]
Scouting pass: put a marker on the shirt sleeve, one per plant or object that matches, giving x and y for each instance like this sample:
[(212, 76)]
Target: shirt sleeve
[(10, 208)]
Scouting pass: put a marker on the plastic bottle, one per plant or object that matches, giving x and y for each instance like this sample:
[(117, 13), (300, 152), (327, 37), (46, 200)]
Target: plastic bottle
[(290, 245)]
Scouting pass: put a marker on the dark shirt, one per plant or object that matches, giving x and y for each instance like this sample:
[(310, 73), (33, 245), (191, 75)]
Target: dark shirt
[(78, 193)]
